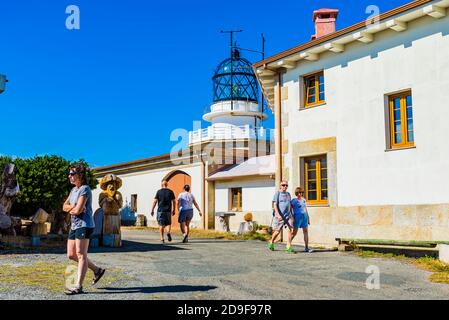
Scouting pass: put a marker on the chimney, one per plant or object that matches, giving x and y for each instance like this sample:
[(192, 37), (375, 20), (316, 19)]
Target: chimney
[(324, 20)]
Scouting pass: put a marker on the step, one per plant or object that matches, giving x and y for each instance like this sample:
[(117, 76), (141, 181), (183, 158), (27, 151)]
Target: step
[(416, 252), (405, 243)]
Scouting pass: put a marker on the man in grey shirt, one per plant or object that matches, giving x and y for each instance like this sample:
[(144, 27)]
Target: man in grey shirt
[(282, 216)]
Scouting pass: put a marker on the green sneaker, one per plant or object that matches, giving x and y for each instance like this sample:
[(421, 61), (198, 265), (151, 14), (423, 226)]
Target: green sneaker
[(271, 246), (289, 250)]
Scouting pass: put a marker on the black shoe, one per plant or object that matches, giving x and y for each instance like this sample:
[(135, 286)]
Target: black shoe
[(98, 275), (169, 237), (186, 239), (73, 291)]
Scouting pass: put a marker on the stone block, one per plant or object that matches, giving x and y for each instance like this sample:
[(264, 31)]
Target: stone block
[(387, 232), (284, 93), (284, 120), (348, 216), (405, 216), (443, 252), (320, 234), (321, 216), (284, 146), (433, 215), (376, 216), (414, 233), (286, 173), (313, 147), (345, 247), (440, 233)]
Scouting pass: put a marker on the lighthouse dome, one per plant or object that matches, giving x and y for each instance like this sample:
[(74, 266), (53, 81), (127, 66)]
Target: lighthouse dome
[(234, 79)]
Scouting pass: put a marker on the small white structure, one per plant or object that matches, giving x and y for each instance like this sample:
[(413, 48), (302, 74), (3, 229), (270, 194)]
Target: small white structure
[(244, 188), (361, 119), (444, 252)]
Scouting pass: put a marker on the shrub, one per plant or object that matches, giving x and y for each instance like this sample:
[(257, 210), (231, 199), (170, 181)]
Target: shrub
[(43, 182)]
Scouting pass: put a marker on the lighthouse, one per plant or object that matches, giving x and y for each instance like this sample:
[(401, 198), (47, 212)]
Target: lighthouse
[(235, 114)]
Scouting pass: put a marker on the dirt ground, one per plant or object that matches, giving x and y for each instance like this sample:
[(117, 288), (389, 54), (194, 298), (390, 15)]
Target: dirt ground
[(214, 269)]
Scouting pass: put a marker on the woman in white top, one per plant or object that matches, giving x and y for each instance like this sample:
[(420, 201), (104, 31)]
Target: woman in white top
[(186, 200)]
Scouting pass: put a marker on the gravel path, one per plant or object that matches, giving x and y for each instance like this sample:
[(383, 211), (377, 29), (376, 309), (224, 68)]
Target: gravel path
[(220, 269)]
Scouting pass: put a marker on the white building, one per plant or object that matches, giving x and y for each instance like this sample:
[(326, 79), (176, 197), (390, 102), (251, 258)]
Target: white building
[(362, 123), (211, 164)]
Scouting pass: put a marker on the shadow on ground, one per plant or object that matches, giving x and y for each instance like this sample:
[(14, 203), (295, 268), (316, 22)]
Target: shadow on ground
[(127, 246), (172, 289)]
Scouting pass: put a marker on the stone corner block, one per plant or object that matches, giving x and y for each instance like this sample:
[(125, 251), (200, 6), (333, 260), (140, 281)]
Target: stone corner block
[(443, 252)]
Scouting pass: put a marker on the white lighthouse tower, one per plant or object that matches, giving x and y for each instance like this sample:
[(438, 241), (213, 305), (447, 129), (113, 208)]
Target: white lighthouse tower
[(235, 114)]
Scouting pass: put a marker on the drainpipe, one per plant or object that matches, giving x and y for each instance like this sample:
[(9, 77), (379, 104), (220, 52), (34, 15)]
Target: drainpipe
[(203, 193), (279, 128)]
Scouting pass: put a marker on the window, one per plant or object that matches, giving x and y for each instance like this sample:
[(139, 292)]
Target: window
[(316, 180), (401, 120), (314, 90), (134, 203), (236, 199)]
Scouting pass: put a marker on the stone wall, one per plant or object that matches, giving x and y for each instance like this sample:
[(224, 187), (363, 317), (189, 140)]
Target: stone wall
[(404, 222)]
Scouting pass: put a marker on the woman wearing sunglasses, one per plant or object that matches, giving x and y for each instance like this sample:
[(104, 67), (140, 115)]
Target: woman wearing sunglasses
[(301, 217), (79, 206)]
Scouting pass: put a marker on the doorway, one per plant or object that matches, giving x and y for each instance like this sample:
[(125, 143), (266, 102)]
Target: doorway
[(176, 182)]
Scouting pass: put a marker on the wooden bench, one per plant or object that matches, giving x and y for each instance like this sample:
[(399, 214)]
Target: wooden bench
[(407, 247), (401, 243)]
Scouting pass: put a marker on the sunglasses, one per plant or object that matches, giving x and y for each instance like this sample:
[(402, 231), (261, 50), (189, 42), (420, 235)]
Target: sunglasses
[(71, 173), (284, 185)]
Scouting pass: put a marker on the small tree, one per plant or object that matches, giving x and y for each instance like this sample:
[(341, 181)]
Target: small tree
[(43, 182)]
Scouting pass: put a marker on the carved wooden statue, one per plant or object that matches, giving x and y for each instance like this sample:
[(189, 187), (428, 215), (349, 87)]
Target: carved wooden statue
[(111, 202), (8, 193)]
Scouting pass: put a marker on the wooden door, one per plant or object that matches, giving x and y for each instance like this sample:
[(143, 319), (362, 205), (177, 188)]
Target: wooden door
[(176, 183)]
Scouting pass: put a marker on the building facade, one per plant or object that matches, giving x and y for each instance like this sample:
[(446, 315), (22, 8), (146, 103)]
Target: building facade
[(361, 121)]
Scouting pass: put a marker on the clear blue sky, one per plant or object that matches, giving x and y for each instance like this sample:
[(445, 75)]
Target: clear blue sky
[(114, 90)]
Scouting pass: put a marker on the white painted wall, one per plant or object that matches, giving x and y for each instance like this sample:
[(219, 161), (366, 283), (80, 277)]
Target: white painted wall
[(145, 185), (257, 194), (355, 83), (224, 113)]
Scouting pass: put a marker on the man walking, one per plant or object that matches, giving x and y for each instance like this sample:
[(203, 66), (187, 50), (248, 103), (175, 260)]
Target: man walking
[(282, 216), (166, 204)]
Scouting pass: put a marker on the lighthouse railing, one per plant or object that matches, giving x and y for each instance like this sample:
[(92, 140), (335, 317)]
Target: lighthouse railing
[(244, 106), (230, 133)]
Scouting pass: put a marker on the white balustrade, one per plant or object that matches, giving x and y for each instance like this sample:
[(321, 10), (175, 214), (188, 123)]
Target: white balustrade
[(229, 133)]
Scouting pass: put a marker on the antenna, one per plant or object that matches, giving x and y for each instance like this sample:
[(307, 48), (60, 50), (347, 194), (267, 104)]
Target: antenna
[(231, 46)]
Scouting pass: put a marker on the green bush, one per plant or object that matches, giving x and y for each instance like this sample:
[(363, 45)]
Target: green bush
[(43, 182)]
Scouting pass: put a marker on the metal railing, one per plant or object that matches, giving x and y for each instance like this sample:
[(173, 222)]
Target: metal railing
[(243, 106), (230, 133)]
